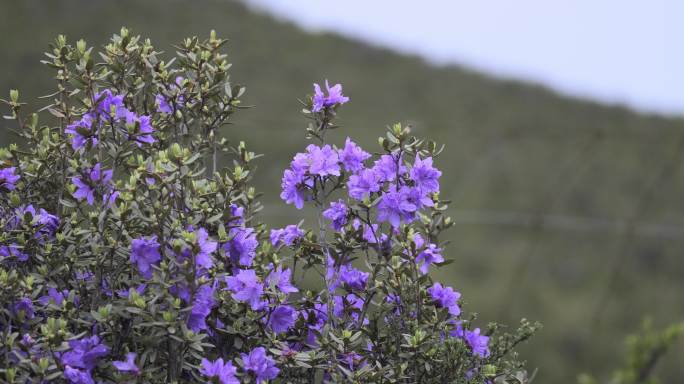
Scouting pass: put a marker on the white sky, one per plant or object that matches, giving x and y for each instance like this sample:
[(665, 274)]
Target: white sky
[(616, 51)]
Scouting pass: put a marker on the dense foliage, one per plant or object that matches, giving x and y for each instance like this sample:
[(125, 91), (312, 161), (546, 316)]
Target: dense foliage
[(130, 255)]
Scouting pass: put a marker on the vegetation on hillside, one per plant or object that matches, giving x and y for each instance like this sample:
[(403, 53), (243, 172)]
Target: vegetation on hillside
[(567, 212)]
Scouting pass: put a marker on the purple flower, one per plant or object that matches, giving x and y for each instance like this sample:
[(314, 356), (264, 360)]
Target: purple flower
[(281, 319), (166, 105), (478, 343), (109, 104), (286, 236), (418, 197), (445, 297), (202, 305), (56, 297), (262, 366), (47, 222), (83, 190), (395, 301), (395, 207), (125, 293), (8, 178), (225, 372), (237, 215), (281, 279), (352, 360), (84, 275), (24, 307), (145, 253), (141, 126), (353, 278), (13, 250), (293, 188), (386, 167), (425, 175), (144, 131), (321, 161), (27, 340), (84, 353), (337, 214), (77, 376), (242, 247), (97, 176), (429, 255), (82, 132), (316, 317), (349, 304), (352, 156), (334, 96), (128, 365), (44, 223), (247, 288), (206, 248), (362, 184), (163, 105), (371, 233)]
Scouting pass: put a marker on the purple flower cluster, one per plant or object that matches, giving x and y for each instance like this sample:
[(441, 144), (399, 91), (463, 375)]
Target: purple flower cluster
[(23, 308), (396, 206), (337, 214), (42, 222), (346, 274), (202, 306), (425, 175), (348, 305), (95, 179), (334, 97), (445, 297), (399, 202), (479, 343), (145, 253), (476, 341), (362, 184), (282, 318), (167, 105), (286, 236), (82, 132), (352, 156), (389, 167), (242, 247), (256, 362), (81, 359), (206, 247), (57, 297), (128, 365), (260, 365), (304, 168), (431, 254), (109, 108), (13, 250), (281, 279), (223, 372), (8, 178), (353, 278), (247, 288)]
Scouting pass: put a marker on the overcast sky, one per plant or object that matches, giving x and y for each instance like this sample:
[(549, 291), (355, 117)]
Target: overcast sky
[(617, 51)]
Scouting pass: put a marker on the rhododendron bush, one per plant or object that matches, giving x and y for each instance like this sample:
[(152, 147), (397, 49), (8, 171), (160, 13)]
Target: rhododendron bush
[(129, 254)]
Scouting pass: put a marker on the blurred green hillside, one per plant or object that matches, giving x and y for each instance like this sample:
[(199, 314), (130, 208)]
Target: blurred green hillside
[(568, 212)]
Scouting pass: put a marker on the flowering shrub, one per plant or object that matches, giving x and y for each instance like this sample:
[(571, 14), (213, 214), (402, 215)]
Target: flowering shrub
[(128, 255)]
